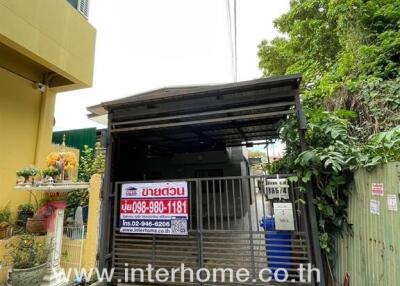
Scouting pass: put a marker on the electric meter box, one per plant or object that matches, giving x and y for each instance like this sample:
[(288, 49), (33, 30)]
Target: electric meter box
[(283, 214)]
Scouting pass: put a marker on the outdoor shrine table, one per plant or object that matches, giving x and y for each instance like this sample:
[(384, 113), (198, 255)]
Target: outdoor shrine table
[(54, 274)]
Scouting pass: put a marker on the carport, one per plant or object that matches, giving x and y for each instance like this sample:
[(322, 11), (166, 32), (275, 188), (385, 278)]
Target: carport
[(195, 134)]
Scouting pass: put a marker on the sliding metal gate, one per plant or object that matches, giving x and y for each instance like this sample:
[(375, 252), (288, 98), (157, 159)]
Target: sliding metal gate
[(224, 232)]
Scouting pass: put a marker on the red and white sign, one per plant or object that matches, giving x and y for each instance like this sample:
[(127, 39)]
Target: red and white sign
[(377, 189), (154, 208)]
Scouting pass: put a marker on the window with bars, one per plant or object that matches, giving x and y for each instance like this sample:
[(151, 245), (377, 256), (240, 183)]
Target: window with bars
[(81, 5)]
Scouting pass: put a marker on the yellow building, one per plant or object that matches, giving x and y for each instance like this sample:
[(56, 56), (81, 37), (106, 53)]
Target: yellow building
[(46, 46)]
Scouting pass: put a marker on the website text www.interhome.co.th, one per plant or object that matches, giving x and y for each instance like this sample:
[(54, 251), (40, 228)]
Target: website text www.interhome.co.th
[(183, 274)]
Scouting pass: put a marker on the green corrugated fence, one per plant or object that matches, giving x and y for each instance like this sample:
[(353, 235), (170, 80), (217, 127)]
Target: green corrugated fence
[(76, 138), (372, 255)]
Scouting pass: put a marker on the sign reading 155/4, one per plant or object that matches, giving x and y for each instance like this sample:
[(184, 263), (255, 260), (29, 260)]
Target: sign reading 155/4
[(154, 208)]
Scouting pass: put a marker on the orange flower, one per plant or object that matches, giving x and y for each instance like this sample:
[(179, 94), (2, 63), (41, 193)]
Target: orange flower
[(52, 159), (70, 160)]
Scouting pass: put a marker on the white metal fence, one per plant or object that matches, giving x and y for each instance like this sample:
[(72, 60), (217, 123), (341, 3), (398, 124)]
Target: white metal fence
[(72, 247)]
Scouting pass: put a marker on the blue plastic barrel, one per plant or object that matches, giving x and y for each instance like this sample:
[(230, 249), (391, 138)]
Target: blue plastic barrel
[(277, 243)]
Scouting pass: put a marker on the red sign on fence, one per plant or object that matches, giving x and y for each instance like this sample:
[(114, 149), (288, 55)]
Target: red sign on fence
[(377, 189)]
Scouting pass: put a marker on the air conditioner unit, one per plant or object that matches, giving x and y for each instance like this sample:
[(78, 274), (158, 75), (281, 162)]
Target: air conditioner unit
[(83, 7)]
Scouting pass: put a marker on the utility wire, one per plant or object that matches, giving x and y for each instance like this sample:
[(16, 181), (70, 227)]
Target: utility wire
[(231, 41), (235, 41)]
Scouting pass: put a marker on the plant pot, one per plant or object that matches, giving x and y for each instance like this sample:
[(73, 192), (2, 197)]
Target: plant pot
[(36, 225), (29, 276), (3, 232), (23, 216)]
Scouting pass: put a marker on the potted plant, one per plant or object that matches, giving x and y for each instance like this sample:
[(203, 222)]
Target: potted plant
[(25, 211), (50, 173), (28, 174), (28, 256), (5, 215), (39, 222)]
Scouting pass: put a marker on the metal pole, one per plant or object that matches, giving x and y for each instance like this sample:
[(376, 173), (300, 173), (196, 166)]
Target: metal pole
[(312, 217), (199, 207), (105, 226)]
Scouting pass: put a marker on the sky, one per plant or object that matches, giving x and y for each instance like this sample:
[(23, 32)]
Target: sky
[(147, 44)]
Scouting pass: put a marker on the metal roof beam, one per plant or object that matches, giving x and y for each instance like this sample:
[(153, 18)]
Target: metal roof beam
[(205, 121), (282, 94), (200, 114)]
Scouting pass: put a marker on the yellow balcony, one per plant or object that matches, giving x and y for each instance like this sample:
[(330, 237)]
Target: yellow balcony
[(47, 41)]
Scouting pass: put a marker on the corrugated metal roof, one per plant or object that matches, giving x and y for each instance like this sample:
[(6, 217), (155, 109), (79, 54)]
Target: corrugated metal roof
[(182, 117), (169, 93)]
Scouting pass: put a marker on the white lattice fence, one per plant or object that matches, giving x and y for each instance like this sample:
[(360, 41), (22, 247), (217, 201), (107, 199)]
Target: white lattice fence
[(72, 248)]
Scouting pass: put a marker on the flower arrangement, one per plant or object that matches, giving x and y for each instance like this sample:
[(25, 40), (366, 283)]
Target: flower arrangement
[(64, 162)]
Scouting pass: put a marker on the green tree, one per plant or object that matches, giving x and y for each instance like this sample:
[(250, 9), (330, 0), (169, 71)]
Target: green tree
[(91, 162), (348, 52)]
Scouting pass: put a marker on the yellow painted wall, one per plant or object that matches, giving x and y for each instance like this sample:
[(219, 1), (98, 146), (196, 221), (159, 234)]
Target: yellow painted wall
[(56, 38), (37, 38), (26, 123), (19, 121), (52, 33), (91, 242)]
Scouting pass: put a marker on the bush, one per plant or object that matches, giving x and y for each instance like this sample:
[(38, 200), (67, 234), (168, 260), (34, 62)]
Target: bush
[(5, 215), (26, 251), (26, 208)]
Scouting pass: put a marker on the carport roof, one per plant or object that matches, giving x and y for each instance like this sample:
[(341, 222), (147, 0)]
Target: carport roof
[(167, 93), (230, 114)]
